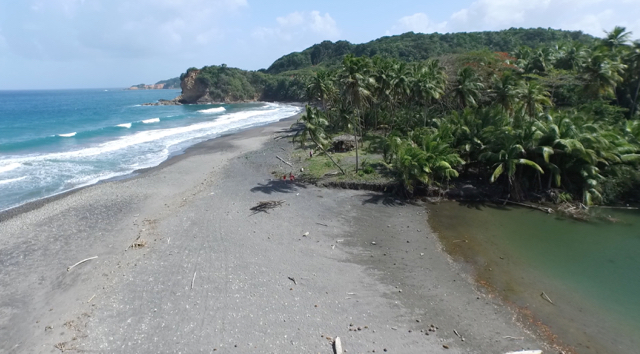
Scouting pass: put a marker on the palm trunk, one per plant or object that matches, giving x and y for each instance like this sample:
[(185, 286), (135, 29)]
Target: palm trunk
[(355, 130), (327, 154), (635, 100)]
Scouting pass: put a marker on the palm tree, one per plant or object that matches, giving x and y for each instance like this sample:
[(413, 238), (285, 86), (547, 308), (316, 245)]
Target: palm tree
[(617, 38), (314, 125), (429, 82), (507, 90), (507, 154), (570, 56), (467, 87), (533, 99), (424, 157), (602, 74), (321, 87), (356, 84)]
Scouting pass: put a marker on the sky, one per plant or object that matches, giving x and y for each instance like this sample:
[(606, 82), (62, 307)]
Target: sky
[(61, 44)]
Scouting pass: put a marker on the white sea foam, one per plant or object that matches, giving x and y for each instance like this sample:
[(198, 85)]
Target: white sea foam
[(9, 167), (152, 120), (56, 172), (7, 181), (125, 125), (68, 135), (213, 110)]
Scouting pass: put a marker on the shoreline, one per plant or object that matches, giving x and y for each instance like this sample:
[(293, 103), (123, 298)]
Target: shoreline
[(213, 275), (38, 203)]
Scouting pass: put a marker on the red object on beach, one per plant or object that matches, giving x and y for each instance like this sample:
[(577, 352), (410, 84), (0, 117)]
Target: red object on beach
[(291, 177), (284, 177)]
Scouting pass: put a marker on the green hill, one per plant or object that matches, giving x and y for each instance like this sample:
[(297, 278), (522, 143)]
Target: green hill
[(286, 78), (418, 46)]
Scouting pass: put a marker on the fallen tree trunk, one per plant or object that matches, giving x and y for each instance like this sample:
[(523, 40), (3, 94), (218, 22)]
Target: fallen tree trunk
[(545, 209)]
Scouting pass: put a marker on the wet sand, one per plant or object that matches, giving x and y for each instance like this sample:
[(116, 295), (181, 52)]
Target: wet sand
[(214, 276)]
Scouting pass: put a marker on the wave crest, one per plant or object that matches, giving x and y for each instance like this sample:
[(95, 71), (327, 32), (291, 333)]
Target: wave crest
[(68, 135), (10, 167), (152, 120), (124, 125), (213, 110)]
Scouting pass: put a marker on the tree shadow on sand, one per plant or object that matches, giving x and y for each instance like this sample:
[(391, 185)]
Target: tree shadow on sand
[(278, 186), (384, 199)]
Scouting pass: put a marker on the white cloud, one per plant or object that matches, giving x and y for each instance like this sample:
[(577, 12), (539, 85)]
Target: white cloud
[(292, 19), (590, 16), (77, 29), (491, 14), (298, 25), (418, 22), (323, 25)]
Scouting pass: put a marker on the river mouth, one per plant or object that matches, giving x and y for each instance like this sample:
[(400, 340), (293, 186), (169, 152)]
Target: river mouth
[(588, 270)]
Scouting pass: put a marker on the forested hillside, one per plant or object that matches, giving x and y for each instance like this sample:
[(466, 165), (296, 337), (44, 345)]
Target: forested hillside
[(418, 46)]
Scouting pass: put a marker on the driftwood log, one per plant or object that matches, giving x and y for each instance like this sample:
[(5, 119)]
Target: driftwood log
[(337, 346), (545, 209), (264, 206), (280, 158)]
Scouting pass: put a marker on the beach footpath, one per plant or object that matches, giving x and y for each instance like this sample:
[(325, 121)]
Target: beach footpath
[(174, 260)]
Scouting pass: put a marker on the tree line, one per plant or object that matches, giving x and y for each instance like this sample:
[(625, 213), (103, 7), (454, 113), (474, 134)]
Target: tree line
[(559, 119)]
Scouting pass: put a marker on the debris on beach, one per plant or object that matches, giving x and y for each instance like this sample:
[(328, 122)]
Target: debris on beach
[(82, 261), (281, 159), (305, 234), (264, 206), (138, 244), (546, 297), (293, 280), (337, 346)]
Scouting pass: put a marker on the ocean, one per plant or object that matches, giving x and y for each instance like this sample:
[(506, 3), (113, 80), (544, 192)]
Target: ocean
[(53, 141)]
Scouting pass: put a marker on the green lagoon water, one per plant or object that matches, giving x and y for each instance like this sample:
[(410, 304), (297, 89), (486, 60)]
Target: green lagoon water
[(591, 271)]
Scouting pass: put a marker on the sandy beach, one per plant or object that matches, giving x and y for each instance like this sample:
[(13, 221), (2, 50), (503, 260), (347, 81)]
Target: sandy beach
[(184, 266)]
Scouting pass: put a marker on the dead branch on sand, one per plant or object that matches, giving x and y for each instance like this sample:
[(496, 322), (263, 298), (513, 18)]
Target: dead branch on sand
[(264, 206), (280, 158), (337, 346), (82, 261), (293, 280), (546, 297), (194, 279)]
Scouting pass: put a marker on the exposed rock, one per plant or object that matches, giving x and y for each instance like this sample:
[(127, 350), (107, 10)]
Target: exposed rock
[(193, 91)]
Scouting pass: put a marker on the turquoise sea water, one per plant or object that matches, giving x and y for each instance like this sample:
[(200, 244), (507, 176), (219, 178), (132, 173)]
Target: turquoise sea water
[(52, 141), (590, 270)]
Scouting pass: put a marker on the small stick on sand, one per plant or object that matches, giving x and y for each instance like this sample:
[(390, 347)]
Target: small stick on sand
[(515, 338), (293, 280), (94, 295), (280, 158), (337, 346), (546, 297), (319, 223), (194, 279), (82, 261)]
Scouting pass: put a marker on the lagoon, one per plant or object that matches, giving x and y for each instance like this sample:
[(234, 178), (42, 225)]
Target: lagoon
[(590, 270)]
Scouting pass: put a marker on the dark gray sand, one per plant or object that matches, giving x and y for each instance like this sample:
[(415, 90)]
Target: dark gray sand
[(212, 276)]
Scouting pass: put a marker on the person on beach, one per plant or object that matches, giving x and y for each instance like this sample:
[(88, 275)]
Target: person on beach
[(291, 177), (310, 153)]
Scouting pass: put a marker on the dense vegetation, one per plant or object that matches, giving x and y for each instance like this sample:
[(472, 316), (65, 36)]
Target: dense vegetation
[(418, 46), (226, 84), (557, 121), (285, 79), (173, 83)]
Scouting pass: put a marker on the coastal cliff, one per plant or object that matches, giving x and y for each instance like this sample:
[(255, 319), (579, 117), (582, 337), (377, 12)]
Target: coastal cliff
[(194, 91)]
